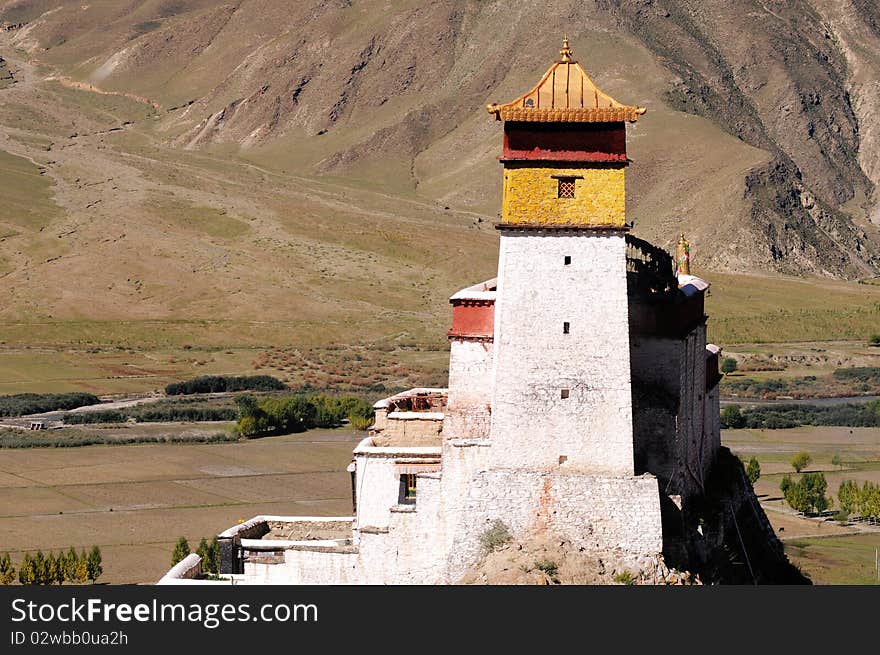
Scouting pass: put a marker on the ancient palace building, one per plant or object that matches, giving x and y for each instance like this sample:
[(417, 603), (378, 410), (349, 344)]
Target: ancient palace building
[(582, 398)]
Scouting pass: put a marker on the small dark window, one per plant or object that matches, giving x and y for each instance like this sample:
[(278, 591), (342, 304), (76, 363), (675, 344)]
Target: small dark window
[(407, 489), (566, 187), (567, 260), (565, 327), (564, 394)]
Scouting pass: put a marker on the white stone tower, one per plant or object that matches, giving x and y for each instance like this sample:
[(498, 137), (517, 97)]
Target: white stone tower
[(561, 394)]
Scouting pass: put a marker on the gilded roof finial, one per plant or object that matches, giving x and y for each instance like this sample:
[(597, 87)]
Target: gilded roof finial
[(683, 256), (565, 53)]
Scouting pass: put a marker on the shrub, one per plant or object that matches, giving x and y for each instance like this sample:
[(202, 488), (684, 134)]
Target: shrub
[(495, 536), (360, 423), (728, 365), (625, 577), (549, 567), (874, 340)]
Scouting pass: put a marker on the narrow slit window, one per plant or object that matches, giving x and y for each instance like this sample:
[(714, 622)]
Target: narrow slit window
[(567, 260), (408, 488), (565, 187), (565, 327), (564, 394)]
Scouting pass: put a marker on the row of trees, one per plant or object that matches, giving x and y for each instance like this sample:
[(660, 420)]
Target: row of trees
[(40, 569), (208, 551), (162, 414), (777, 417), (36, 403), (225, 383), (865, 501), (807, 494), (274, 415)]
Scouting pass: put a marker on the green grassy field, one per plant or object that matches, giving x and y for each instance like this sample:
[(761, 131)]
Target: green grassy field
[(837, 560)]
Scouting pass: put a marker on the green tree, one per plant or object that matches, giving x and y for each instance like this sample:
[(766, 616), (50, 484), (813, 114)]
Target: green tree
[(40, 573), (848, 496), (815, 485), (837, 461), (70, 563), (732, 417), (869, 501), (807, 494), (215, 555), (181, 551), (82, 567), (801, 461), (786, 483), (753, 470), (93, 564), (796, 497), (728, 365), (210, 554), (204, 551), (874, 340), (7, 570), (53, 569), (27, 574), (61, 568)]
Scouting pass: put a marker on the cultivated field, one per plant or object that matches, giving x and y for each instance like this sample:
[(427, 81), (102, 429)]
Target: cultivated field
[(135, 501), (829, 552)]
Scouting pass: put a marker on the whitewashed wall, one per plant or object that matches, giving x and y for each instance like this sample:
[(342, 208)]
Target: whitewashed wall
[(532, 426)]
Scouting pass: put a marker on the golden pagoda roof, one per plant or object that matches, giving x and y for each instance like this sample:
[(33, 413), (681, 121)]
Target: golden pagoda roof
[(565, 94)]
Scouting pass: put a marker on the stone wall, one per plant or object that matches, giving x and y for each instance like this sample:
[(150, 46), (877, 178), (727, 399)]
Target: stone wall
[(410, 428), (675, 422), (468, 411), (593, 512), (533, 426)]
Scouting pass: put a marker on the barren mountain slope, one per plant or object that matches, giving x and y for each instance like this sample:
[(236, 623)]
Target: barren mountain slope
[(196, 149)]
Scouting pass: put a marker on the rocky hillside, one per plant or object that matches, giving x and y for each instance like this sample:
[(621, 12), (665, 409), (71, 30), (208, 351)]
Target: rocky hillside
[(760, 142)]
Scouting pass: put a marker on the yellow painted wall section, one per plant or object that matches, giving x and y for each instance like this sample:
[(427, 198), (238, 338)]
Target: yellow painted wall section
[(531, 197)]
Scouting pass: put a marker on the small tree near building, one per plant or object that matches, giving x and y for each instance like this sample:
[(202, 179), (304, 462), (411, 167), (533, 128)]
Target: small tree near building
[(181, 551), (728, 365)]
